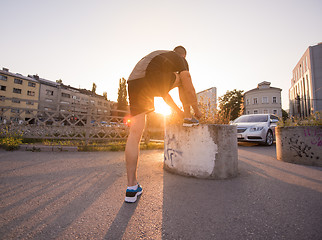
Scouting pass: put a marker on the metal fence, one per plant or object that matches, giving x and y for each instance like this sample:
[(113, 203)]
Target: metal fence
[(46, 124)]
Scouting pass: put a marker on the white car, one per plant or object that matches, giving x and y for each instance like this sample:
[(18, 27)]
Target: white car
[(256, 128)]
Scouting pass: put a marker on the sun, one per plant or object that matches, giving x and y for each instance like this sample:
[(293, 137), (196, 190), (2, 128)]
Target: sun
[(161, 107)]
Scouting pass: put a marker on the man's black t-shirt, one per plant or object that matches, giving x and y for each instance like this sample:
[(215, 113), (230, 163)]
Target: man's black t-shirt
[(157, 69)]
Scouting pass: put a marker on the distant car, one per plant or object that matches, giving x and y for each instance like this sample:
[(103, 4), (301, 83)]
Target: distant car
[(256, 128)]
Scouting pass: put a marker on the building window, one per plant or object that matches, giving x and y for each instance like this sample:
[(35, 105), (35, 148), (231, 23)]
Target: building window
[(275, 111), (30, 93), (14, 110), (255, 111), (2, 98), (15, 100), (16, 90), (49, 100), (247, 101), (3, 88), (4, 78), (31, 84), (254, 100), (65, 95), (99, 103), (247, 112), (14, 119), (265, 111), (49, 92), (30, 103), (265, 100), (274, 100), (17, 81)]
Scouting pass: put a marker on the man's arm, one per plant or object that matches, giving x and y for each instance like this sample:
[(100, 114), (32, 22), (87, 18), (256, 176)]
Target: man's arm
[(168, 99), (189, 92)]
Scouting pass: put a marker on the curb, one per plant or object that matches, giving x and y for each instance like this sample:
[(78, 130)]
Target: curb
[(44, 148)]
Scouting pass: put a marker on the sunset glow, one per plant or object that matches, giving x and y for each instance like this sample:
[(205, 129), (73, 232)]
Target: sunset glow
[(161, 107)]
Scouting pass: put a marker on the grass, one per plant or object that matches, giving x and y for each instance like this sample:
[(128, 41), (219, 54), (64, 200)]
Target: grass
[(313, 120), (10, 140), (118, 146)]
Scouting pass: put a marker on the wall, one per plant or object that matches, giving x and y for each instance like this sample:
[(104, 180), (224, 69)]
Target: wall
[(300, 144)]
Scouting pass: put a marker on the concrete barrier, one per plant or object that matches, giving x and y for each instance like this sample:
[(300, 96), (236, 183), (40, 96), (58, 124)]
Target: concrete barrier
[(299, 144), (204, 151)]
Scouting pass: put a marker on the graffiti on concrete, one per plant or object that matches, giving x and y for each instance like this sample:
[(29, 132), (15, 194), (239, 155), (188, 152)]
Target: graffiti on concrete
[(171, 154), (315, 135), (301, 149)]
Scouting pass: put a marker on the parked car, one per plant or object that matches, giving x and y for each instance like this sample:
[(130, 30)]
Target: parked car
[(256, 128)]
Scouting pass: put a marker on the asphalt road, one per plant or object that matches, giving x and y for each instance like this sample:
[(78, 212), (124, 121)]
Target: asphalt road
[(80, 196)]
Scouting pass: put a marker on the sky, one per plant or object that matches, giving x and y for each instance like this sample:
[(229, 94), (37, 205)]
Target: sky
[(230, 44)]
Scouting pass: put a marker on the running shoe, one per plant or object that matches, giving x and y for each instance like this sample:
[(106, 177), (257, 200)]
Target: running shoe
[(189, 122), (132, 195)]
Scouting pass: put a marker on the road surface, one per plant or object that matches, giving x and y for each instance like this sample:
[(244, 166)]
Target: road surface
[(77, 195)]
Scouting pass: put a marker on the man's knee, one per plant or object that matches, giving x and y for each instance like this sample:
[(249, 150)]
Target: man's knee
[(137, 124)]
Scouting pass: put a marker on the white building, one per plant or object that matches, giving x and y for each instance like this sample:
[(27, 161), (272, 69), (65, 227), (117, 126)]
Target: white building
[(208, 99), (263, 99), (305, 94)]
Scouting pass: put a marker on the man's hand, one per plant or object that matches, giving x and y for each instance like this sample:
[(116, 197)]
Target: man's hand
[(181, 114), (168, 99), (198, 114)]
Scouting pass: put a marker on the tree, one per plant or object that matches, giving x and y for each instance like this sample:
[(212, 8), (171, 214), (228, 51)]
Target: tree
[(122, 96), (105, 95), (94, 88), (284, 115), (231, 104)]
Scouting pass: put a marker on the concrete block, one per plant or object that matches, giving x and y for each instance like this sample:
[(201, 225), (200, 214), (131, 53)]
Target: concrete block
[(204, 151), (299, 144)]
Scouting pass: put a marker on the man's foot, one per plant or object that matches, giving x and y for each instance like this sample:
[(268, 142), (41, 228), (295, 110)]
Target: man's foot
[(132, 195), (189, 122)]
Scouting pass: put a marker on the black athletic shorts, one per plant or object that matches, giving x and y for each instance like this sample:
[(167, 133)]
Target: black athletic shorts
[(142, 91)]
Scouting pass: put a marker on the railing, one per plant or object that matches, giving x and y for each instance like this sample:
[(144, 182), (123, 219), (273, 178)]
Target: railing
[(46, 124)]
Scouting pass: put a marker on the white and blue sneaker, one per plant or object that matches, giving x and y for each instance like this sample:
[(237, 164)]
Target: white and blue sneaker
[(189, 122), (132, 195)]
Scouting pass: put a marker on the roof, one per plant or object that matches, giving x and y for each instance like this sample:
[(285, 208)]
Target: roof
[(263, 89), (48, 82), (207, 90), (17, 75)]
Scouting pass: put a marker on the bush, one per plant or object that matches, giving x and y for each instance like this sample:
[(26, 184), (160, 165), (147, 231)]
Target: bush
[(11, 140), (313, 120)]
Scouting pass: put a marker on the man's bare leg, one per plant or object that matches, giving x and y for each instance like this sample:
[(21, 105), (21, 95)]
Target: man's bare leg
[(132, 148), (185, 104)]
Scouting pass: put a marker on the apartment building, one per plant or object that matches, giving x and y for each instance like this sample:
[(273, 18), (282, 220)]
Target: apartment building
[(208, 99), (263, 99), (20, 93), (33, 92), (305, 94)]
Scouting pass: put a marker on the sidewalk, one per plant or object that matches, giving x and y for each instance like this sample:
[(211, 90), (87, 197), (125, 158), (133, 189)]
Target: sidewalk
[(47, 148), (80, 195)]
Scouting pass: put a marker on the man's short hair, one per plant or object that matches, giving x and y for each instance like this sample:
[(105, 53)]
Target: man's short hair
[(180, 50)]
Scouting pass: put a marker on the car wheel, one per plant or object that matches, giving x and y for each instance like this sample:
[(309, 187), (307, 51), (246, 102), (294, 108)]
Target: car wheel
[(269, 138)]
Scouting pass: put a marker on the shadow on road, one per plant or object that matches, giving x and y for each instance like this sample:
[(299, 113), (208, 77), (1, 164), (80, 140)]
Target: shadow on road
[(121, 221), (263, 202)]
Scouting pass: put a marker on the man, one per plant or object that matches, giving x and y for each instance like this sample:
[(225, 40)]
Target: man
[(154, 76)]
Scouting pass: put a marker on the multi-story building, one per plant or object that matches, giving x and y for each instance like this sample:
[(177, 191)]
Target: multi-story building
[(62, 98), (305, 94), (208, 99), (263, 99), (17, 91), (20, 93)]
